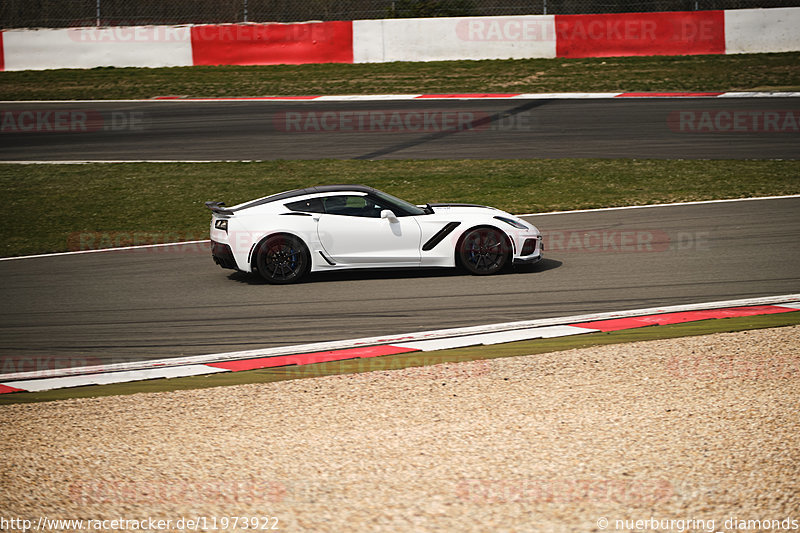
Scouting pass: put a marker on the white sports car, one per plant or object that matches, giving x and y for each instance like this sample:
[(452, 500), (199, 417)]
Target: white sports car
[(333, 227)]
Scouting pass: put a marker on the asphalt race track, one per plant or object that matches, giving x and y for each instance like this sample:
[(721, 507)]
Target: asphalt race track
[(687, 128), (153, 303)]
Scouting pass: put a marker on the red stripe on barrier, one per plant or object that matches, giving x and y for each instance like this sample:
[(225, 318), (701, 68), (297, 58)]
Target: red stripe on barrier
[(2, 54), (468, 95), (640, 34), (235, 97), (4, 389), (255, 98), (679, 318), (190, 98), (310, 358), (667, 95), (273, 44)]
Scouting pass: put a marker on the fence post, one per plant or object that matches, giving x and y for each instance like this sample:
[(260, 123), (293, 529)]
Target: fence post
[(98, 13), (544, 7), (245, 11)]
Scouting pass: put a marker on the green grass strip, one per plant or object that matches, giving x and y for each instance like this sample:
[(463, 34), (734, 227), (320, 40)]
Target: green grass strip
[(416, 359), (67, 207), (741, 72)]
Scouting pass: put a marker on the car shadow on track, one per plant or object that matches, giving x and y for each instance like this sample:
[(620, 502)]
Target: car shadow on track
[(395, 273)]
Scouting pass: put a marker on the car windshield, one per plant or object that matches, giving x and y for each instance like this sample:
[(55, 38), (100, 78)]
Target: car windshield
[(398, 205)]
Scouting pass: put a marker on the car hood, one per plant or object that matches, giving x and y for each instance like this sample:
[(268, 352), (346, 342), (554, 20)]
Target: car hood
[(446, 211), (461, 208)]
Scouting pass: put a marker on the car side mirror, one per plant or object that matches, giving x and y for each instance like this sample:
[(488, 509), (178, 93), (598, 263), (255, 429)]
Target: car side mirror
[(386, 213)]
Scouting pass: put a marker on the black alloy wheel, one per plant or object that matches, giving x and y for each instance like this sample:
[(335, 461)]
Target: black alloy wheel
[(483, 251), (282, 259)]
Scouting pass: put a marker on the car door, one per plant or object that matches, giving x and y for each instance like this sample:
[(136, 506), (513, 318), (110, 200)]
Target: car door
[(352, 232)]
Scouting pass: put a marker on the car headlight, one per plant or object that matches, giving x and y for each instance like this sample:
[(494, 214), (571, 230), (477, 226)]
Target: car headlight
[(512, 222), (222, 224)]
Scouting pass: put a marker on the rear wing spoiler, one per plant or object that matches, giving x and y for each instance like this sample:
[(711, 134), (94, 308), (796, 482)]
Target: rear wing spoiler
[(218, 208)]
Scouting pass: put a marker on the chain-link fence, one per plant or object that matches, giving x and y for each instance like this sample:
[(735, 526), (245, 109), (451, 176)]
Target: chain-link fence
[(75, 13)]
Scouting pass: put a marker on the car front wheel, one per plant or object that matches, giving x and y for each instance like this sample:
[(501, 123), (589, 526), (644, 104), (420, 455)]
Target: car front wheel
[(282, 259), (483, 251)]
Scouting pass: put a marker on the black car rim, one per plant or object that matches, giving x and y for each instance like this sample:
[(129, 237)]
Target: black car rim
[(484, 250), (283, 261)]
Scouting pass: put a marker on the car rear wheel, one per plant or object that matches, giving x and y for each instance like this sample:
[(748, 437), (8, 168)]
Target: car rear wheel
[(282, 259), (483, 251)]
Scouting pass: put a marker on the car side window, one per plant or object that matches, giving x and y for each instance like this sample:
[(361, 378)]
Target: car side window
[(352, 206), (312, 205)]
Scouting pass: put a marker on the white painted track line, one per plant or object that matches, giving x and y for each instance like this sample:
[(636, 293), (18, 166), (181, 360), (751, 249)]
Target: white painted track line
[(649, 206), (36, 385), (120, 249), (764, 94), (495, 338), (390, 97), (536, 333), (119, 161)]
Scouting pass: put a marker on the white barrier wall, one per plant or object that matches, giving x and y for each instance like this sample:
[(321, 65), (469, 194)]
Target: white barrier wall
[(131, 46), (441, 39), (376, 41), (762, 30)]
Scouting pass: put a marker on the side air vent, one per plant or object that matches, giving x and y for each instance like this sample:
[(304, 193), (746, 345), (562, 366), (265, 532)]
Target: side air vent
[(330, 262), (440, 235)]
